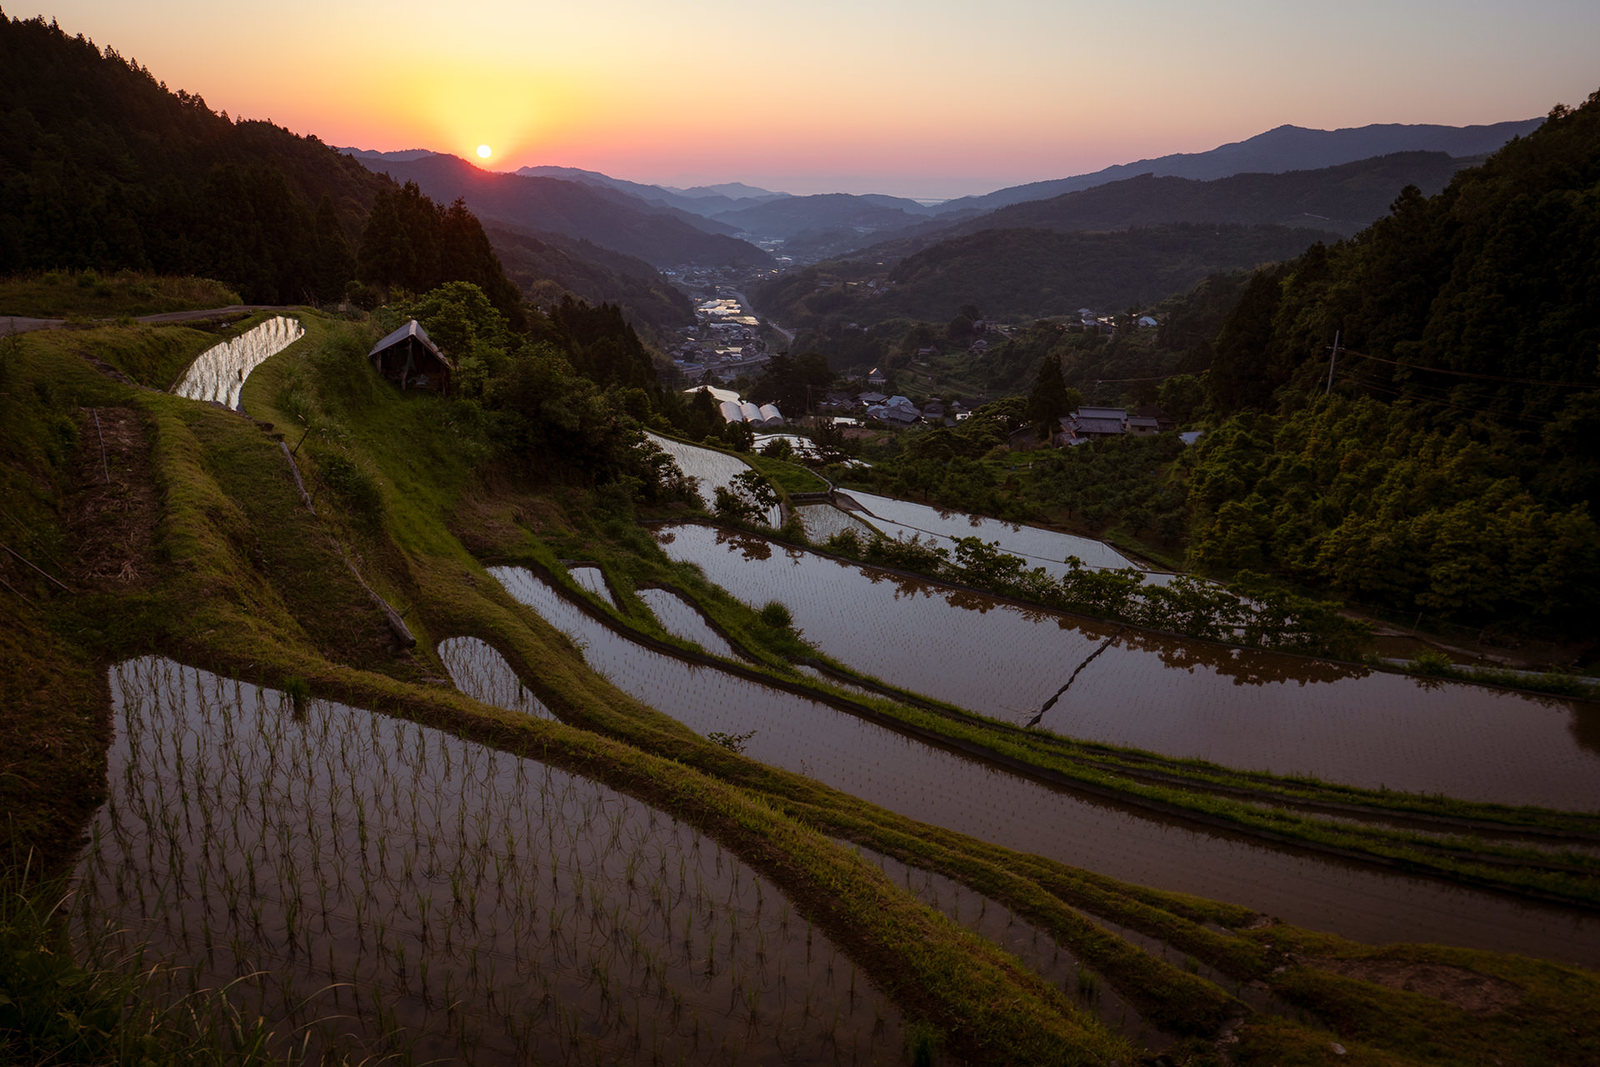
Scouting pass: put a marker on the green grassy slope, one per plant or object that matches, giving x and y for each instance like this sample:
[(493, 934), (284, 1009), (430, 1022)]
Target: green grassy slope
[(176, 528)]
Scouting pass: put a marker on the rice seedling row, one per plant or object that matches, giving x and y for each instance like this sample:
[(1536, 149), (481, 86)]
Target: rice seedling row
[(1252, 710), (935, 785), (594, 580), (385, 887), (482, 673), (682, 619), (822, 521), (218, 374)]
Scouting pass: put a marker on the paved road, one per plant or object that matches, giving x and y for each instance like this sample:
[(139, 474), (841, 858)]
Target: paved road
[(13, 324)]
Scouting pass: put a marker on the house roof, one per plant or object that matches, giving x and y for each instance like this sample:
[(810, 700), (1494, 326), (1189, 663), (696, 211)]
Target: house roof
[(411, 331)]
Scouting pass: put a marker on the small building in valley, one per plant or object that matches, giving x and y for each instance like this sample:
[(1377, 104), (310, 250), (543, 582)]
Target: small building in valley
[(409, 359)]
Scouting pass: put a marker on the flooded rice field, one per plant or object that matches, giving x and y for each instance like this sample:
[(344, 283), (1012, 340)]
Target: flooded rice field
[(483, 674), (682, 619), (713, 469), (1039, 547), (219, 372), (368, 880), (1245, 709), (822, 521), (593, 579), (938, 786)]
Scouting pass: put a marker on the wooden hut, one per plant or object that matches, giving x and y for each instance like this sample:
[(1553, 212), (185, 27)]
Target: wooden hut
[(409, 359)]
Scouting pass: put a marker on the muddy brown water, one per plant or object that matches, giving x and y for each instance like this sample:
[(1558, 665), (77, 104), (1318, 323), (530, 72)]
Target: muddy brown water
[(358, 876), (1245, 709), (940, 787)]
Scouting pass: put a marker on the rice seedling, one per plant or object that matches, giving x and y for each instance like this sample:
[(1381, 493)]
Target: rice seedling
[(482, 673), (870, 761), (681, 618), (451, 919)]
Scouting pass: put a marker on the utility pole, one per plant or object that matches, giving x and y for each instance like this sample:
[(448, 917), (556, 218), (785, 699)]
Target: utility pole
[(1331, 361)]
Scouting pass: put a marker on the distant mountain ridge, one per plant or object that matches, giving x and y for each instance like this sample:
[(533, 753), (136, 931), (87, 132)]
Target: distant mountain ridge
[(1342, 199), (705, 201), (1281, 149), (609, 218)]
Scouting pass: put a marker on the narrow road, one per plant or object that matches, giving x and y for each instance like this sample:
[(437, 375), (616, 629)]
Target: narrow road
[(744, 302), (15, 324)]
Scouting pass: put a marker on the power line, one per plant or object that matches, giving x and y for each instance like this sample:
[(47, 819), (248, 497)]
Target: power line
[(1469, 374)]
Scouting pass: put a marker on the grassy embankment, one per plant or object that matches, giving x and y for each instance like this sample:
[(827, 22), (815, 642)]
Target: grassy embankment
[(91, 295), (237, 577)]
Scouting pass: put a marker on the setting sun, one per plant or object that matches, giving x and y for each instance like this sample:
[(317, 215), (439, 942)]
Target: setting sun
[(484, 151)]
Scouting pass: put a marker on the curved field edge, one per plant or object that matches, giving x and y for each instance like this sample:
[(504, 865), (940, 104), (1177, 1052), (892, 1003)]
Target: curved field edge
[(240, 573), (1569, 877)]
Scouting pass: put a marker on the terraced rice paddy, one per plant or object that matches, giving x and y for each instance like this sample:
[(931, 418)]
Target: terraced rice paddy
[(1039, 547), (483, 674), (822, 521), (218, 373), (1245, 709), (1033, 946), (924, 782), (355, 878), (594, 580), (682, 619), (711, 468)]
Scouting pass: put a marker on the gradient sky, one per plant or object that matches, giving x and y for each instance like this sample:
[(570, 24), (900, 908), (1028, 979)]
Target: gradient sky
[(926, 98)]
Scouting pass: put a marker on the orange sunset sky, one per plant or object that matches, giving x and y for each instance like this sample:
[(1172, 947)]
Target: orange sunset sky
[(930, 99)]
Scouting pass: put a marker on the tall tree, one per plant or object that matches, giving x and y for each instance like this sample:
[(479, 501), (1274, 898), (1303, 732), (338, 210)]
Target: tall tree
[(1051, 400)]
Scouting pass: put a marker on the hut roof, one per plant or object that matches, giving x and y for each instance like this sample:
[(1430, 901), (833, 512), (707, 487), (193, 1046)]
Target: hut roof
[(410, 331)]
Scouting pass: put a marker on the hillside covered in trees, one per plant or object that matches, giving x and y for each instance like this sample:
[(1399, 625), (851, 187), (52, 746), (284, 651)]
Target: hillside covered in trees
[(1448, 464), (102, 167), (1444, 473)]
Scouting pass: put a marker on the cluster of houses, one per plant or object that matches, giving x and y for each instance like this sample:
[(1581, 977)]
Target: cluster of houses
[(1089, 423), (891, 410), (724, 343)]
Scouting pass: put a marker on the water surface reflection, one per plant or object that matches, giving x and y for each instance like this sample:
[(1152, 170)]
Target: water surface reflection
[(1247, 709)]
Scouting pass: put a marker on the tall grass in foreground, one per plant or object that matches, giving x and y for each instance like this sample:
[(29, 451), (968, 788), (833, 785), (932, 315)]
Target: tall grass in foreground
[(386, 888), (98, 1002)]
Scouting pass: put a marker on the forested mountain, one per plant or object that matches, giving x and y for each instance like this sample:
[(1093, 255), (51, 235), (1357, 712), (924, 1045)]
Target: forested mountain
[(1028, 273), (705, 202), (1341, 199), (550, 206), (1282, 149), (828, 223), (1179, 231), (102, 167), (545, 268), (1452, 469)]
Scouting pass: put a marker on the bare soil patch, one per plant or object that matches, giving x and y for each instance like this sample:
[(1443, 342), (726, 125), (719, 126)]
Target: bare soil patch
[(1467, 990), (114, 508)]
